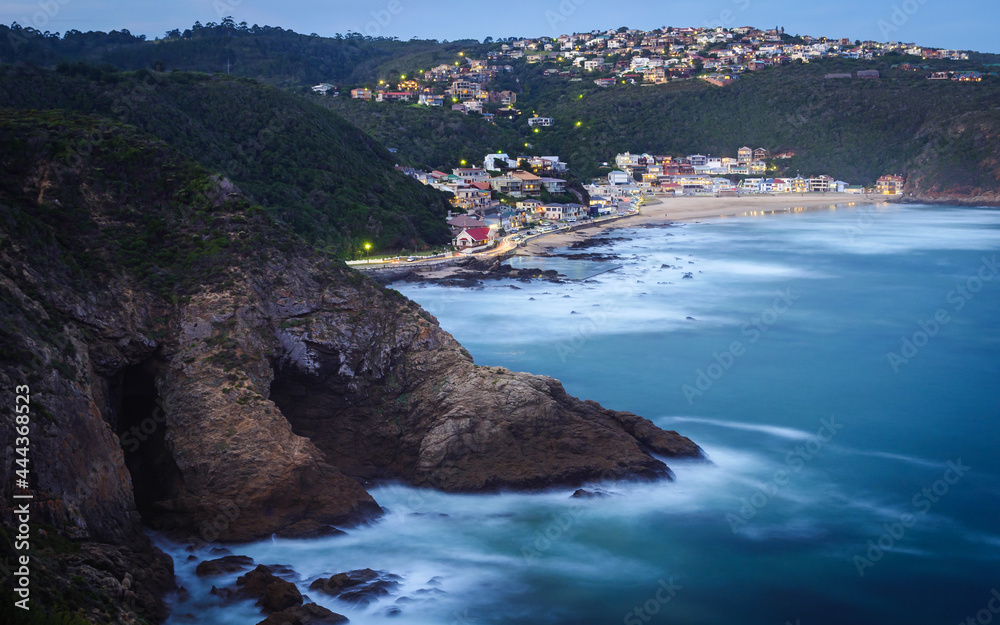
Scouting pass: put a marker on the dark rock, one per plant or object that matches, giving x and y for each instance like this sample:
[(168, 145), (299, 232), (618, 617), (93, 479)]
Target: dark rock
[(225, 564), (338, 583), (284, 571), (364, 595), (429, 591), (587, 494), (273, 594), (308, 614), (361, 586), (226, 594)]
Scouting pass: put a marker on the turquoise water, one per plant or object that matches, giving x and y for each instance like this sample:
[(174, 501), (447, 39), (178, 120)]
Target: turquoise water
[(777, 357)]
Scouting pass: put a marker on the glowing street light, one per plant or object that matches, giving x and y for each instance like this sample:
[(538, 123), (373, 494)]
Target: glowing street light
[(368, 246)]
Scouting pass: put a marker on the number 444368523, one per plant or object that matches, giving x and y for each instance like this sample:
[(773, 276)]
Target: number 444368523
[(22, 421)]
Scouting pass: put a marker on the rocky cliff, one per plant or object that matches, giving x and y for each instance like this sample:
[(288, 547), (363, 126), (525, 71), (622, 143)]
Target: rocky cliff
[(960, 162), (195, 367)]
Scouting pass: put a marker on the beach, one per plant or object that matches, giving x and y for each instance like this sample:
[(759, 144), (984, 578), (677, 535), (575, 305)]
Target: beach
[(691, 208)]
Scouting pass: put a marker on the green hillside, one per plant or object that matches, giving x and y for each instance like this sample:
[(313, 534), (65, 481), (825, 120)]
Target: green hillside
[(265, 53), (852, 129), (433, 138), (331, 183)]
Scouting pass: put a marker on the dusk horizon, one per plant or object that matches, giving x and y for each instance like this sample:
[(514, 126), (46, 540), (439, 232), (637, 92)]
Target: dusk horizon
[(959, 26)]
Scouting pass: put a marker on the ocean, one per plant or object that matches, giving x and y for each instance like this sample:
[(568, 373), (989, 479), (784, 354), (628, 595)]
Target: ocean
[(841, 370)]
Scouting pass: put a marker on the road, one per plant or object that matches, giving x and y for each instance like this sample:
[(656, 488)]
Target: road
[(504, 246)]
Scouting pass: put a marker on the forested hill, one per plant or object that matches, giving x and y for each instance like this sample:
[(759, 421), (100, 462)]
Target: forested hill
[(937, 133), (333, 184), (849, 128), (266, 53)]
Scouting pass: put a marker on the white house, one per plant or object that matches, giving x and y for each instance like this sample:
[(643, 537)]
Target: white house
[(429, 99), (470, 239), (468, 175), (619, 177), (540, 121), (559, 212), (494, 162)]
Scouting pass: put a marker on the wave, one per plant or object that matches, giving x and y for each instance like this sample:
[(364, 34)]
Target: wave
[(772, 430)]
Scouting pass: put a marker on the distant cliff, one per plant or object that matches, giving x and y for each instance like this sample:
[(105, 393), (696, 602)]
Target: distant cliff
[(960, 162), (197, 367)]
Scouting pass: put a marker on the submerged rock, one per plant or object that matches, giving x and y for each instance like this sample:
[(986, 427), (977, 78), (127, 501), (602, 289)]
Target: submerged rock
[(273, 594), (308, 614), (361, 586), (226, 564)]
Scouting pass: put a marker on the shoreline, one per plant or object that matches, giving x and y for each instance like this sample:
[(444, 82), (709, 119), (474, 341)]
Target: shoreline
[(689, 208)]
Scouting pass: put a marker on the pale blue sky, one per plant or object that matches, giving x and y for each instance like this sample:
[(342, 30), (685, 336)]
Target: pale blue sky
[(960, 24)]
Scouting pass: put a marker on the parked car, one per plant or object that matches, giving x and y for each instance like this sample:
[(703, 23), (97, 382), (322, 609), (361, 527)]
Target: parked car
[(411, 259)]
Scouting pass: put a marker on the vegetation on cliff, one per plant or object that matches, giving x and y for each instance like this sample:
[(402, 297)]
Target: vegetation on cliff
[(334, 185)]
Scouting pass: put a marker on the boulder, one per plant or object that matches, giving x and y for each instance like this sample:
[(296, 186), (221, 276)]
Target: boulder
[(226, 564)]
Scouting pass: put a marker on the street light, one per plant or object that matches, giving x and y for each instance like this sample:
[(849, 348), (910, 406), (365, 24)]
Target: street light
[(368, 246)]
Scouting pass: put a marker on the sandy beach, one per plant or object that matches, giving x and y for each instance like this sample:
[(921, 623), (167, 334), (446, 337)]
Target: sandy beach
[(685, 208), (690, 208)]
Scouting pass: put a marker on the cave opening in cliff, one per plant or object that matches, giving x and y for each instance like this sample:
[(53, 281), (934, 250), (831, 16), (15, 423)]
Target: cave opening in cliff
[(141, 425), (323, 408)]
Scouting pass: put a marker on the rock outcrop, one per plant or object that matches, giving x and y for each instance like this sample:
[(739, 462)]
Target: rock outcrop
[(193, 366)]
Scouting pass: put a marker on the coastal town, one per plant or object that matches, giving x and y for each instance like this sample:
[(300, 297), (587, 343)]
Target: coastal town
[(713, 53), (507, 195)]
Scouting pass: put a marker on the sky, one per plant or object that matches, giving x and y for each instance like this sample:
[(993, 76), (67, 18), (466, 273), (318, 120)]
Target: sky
[(953, 24)]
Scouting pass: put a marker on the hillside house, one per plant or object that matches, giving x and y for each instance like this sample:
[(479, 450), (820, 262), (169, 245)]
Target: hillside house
[(472, 239), (890, 185)]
